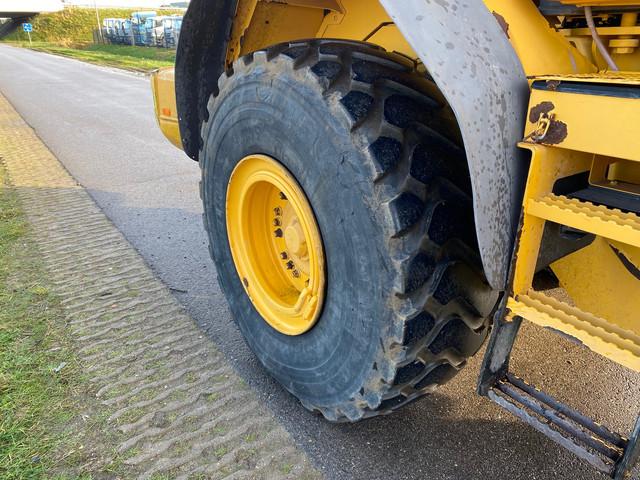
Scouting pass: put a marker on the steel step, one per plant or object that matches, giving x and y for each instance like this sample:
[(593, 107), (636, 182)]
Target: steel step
[(589, 440), (596, 333), (607, 451), (607, 222), (599, 195)]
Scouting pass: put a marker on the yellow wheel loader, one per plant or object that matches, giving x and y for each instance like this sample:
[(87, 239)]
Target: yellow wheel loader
[(385, 183)]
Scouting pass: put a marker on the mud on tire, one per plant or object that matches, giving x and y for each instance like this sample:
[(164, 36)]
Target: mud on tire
[(378, 154)]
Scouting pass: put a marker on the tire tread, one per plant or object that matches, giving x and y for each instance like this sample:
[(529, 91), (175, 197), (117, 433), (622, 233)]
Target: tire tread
[(441, 300)]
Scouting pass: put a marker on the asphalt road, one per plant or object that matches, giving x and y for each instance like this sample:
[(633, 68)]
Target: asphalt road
[(99, 122)]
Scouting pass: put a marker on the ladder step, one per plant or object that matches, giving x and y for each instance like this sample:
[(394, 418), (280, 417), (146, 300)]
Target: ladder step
[(596, 333), (600, 220), (589, 440)]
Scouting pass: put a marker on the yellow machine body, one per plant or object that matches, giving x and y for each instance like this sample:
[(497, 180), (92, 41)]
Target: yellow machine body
[(164, 102), (584, 128), (567, 133)]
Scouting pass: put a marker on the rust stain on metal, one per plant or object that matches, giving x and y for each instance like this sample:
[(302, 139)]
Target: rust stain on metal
[(502, 22), (552, 85), (557, 130), (539, 109), (556, 134)]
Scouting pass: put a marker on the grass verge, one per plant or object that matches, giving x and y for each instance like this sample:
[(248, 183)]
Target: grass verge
[(38, 371), (140, 59)]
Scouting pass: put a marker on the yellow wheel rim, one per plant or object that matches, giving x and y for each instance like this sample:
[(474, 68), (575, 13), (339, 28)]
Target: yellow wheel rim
[(275, 243)]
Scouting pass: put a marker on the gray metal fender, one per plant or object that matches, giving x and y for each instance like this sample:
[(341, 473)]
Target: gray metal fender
[(469, 56)]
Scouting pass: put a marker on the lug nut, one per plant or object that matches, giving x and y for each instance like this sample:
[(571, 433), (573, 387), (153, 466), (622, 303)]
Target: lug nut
[(283, 196), (276, 222), (283, 255), (277, 211), (296, 273), (278, 232), (290, 265)]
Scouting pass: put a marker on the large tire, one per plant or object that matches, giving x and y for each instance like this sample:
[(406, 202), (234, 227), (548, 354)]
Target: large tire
[(376, 149)]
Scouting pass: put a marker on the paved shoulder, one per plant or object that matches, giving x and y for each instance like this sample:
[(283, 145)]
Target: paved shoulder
[(179, 409)]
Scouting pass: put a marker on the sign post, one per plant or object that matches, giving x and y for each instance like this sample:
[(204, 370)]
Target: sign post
[(27, 27), (95, 5)]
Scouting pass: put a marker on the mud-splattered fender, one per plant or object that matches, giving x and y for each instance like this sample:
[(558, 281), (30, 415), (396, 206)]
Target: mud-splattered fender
[(466, 50)]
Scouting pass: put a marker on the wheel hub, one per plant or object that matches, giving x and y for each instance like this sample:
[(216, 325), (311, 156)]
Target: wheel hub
[(294, 239), (275, 243)]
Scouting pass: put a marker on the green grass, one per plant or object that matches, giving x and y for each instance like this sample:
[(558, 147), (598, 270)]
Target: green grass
[(74, 24), (34, 399), (141, 59)]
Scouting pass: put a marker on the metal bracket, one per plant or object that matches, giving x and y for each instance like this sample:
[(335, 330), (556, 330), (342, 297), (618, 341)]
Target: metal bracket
[(542, 128), (495, 364)]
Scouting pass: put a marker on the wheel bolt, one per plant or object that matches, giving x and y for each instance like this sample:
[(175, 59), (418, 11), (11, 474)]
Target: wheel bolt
[(296, 273), (290, 265), (277, 211), (276, 222), (278, 232), (283, 255)]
